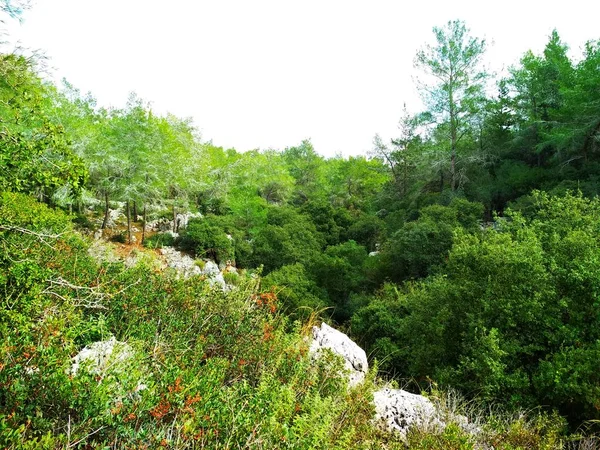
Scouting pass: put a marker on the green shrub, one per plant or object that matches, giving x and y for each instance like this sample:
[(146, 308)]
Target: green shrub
[(207, 240), (159, 240), (232, 278)]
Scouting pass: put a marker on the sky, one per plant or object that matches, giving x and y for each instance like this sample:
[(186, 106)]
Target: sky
[(270, 73)]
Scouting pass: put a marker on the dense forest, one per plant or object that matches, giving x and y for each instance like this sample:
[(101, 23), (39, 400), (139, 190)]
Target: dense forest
[(464, 253)]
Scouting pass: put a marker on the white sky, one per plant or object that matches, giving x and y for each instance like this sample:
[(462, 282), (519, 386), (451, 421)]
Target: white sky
[(269, 73)]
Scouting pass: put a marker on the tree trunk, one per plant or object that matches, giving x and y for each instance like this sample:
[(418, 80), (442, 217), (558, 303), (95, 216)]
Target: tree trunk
[(144, 224), (128, 222), (453, 137), (174, 219), (106, 211), (135, 212)]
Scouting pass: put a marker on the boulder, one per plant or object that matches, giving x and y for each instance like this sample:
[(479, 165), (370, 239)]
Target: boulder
[(355, 358), (185, 265), (397, 410), (218, 280), (114, 365), (102, 356), (211, 268)]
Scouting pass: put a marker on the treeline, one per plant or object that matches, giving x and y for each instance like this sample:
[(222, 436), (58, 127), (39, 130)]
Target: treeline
[(433, 250)]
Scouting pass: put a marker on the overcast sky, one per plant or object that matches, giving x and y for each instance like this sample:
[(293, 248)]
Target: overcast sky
[(269, 73)]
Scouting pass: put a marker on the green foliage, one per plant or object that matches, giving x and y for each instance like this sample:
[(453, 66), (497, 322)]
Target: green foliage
[(420, 246), (289, 237), (207, 239), (219, 369), (299, 294), (511, 315), (35, 156), (159, 240), (339, 272)]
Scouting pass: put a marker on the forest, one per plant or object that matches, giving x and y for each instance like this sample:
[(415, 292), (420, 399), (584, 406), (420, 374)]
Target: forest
[(462, 254)]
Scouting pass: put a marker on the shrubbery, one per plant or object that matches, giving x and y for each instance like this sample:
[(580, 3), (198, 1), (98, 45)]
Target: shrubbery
[(219, 369), (511, 316)]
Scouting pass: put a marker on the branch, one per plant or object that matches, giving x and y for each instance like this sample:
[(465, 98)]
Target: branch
[(41, 236), (93, 296)]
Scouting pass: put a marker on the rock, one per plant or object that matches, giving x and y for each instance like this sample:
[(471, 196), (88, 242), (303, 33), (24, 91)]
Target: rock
[(355, 358), (211, 269), (115, 217), (219, 281), (113, 364), (182, 220), (97, 235), (397, 410), (184, 265), (375, 253), (103, 355)]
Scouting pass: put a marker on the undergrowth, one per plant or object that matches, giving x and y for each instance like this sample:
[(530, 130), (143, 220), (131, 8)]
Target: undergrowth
[(207, 369)]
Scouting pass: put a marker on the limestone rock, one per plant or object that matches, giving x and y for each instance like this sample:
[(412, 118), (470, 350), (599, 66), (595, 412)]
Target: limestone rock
[(355, 358), (211, 269), (397, 410), (102, 356), (184, 265)]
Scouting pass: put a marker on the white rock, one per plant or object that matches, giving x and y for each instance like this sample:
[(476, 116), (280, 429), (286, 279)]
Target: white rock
[(219, 281), (211, 268), (397, 410), (375, 253), (102, 355), (185, 265), (355, 358)]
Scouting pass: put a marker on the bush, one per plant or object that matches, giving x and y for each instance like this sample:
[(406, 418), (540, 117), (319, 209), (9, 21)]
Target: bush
[(207, 240), (159, 240), (219, 369)]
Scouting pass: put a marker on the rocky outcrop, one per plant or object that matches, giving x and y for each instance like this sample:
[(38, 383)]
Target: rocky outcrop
[(397, 410), (181, 222), (187, 266), (355, 358), (183, 264), (114, 365), (102, 356)]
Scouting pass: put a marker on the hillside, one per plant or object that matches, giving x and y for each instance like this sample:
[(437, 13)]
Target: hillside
[(159, 290)]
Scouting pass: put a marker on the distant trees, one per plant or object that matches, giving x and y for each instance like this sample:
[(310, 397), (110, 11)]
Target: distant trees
[(453, 89)]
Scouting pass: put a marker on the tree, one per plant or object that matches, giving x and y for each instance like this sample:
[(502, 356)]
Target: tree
[(456, 85), (35, 155)]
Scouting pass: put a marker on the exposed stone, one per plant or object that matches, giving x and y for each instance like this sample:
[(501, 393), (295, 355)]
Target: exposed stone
[(355, 358), (219, 281), (397, 410), (210, 268), (112, 357), (375, 253), (102, 356), (184, 265), (181, 222)]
